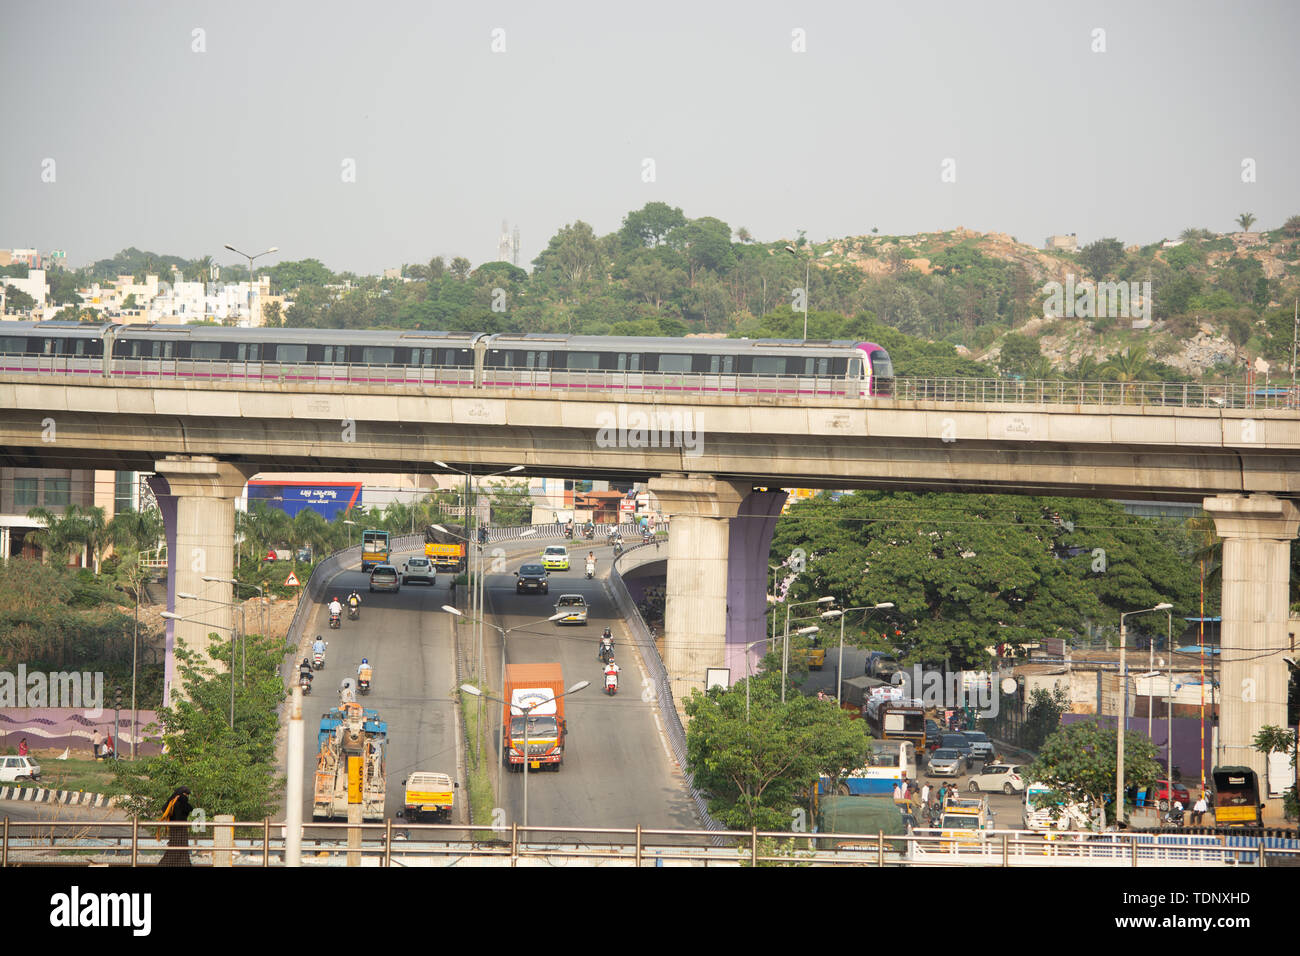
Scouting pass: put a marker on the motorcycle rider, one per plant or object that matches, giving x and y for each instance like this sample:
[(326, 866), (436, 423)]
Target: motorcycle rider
[(364, 670), (304, 670), (611, 671), (354, 600), (591, 561), (606, 644), (335, 607), (318, 646)]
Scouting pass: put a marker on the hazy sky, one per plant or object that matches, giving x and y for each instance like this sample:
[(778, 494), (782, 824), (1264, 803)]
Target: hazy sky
[(166, 147)]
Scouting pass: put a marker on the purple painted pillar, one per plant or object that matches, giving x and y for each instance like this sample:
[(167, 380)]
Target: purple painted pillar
[(167, 505), (747, 576)]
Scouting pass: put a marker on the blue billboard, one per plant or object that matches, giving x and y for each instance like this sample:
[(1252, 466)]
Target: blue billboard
[(330, 498)]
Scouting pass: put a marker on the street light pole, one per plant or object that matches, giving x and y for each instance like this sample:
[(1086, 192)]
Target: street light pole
[(1122, 722), (785, 646), (220, 627), (807, 265), (250, 273), (839, 668)]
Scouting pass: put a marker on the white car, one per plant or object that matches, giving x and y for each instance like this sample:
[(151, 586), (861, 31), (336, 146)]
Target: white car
[(574, 609), (997, 776), (419, 568), (19, 768)]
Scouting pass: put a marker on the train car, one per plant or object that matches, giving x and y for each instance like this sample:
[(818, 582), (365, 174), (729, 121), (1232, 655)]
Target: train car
[(687, 366), (199, 352), (62, 348)]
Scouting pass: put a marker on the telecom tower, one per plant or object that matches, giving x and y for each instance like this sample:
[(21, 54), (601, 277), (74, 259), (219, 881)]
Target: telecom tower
[(503, 244)]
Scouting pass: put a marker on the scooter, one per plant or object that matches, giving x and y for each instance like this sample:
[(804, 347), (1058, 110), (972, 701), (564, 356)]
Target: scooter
[(363, 685), (605, 652), (1173, 817), (304, 681), (611, 684), (354, 611), (618, 548), (591, 570), (334, 620), (568, 533), (318, 660)]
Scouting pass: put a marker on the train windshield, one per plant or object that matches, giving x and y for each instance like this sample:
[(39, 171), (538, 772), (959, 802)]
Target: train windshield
[(882, 365)]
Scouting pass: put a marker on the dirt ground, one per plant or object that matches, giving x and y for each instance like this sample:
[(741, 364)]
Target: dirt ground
[(274, 618)]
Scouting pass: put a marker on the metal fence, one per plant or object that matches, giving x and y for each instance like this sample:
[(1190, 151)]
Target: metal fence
[(226, 843), (1000, 391)]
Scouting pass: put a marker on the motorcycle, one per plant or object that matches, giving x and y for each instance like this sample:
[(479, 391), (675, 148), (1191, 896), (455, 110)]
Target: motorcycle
[(568, 533), (611, 684), (618, 548), (605, 652), (334, 620), (591, 570), (354, 611), (304, 681), (1173, 817), (318, 660), (589, 534), (363, 685)]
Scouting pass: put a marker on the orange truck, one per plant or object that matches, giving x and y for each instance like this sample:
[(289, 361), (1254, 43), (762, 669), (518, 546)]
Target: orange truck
[(536, 709)]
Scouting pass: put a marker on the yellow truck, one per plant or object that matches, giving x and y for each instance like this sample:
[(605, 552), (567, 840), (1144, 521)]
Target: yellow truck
[(429, 795), (444, 549), (965, 821)]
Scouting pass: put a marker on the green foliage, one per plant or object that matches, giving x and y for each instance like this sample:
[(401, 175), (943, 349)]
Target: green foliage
[(1043, 715), (755, 771), (1079, 761), (1102, 256), (17, 299), (1019, 353), (228, 770), (290, 276), (967, 572)]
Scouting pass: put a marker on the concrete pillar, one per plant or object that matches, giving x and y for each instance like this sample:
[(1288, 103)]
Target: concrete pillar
[(198, 507), (1257, 531), (748, 577), (695, 600)]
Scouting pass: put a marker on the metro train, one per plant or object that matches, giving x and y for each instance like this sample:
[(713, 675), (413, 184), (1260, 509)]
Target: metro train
[(470, 359)]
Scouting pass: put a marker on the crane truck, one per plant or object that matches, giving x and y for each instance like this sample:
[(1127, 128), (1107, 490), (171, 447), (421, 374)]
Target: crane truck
[(350, 766)]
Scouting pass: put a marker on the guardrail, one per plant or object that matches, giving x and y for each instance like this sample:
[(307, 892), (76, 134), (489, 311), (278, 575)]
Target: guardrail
[(225, 843), (659, 675), (1004, 391)]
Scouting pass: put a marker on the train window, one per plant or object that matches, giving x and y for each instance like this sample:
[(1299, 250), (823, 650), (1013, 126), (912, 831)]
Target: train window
[(247, 353), (769, 365), (205, 350), (291, 353), (81, 347), (421, 356), (715, 364), (335, 354), (855, 369), (52, 346), (582, 360), (674, 363), (622, 362), (13, 345), (377, 355), (881, 364), (722, 363), (538, 359)]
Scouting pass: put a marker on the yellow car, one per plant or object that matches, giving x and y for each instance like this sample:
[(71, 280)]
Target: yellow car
[(556, 558)]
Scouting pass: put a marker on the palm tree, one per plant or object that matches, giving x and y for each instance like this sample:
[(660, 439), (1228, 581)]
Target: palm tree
[(1245, 220), (1088, 370), (1131, 365), (92, 530), (58, 536)]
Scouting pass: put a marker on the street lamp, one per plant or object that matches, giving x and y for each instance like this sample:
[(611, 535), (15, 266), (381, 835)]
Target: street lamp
[(840, 612), (220, 627), (250, 273), (785, 649), (1151, 660), (351, 525), (266, 624), (527, 712), (503, 631), (1123, 710), (807, 264), (135, 649)]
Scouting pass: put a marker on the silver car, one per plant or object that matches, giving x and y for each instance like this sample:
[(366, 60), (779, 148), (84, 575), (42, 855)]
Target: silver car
[(946, 763), (574, 609)]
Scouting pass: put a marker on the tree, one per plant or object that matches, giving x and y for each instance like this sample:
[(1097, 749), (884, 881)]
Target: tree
[(756, 770), (1018, 353), (1131, 365), (1078, 761), (272, 317), (59, 536), (1291, 228), (649, 225), (291, 275), (1245, 220), (1043, 715), (17, 300), (460, 268), (511, 504), (1271, 739), (230, 770), (1100, 257)]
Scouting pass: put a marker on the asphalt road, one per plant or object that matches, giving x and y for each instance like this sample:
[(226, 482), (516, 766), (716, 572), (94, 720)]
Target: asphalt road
[(616, 770), (407, 639)]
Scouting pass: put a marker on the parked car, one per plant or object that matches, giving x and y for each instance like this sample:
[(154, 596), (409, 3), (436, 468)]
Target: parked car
[(981, 746), (1158, 795), (384, 577), (556, 558), (532, 578), (997, 776), (946, 762), (19, 768), (419, 568), (573, 607)]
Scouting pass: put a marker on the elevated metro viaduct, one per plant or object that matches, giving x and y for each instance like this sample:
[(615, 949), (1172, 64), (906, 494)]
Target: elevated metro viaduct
[(706, 457)]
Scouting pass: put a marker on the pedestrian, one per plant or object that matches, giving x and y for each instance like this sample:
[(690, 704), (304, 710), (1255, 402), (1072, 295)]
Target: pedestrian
[(898, 792), (22, 747), (178, 811), (925, 794), (95, 744), (1199, 810)]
